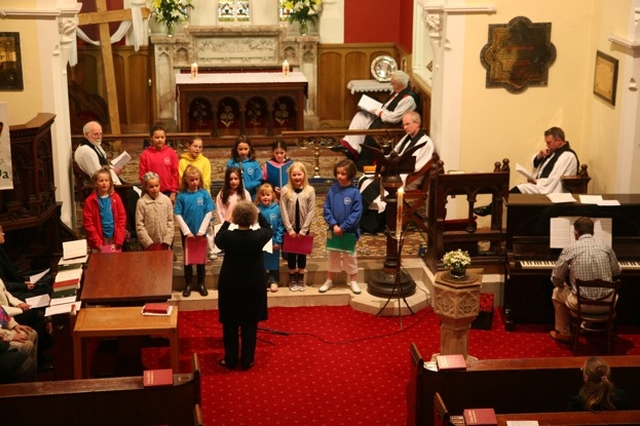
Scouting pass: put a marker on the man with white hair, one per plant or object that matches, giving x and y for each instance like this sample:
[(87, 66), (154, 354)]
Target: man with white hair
[(90, 155), (401, 101)]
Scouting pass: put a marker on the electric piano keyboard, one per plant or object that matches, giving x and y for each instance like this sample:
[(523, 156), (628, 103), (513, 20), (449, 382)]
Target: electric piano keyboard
[(550, 264)]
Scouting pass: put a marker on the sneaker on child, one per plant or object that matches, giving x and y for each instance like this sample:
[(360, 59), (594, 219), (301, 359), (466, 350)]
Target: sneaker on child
[(355, 288), (326, 286)]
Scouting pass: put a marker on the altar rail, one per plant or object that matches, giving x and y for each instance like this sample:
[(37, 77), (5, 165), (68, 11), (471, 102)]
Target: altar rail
[(112, 401), (534, 385)]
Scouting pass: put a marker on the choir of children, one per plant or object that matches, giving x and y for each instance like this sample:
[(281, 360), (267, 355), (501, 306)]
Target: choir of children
[(280, 190)]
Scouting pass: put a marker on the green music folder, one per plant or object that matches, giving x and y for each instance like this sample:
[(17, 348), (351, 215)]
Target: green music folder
[(345, 243)]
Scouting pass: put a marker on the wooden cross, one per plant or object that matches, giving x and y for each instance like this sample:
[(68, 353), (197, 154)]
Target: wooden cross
[(102, 16)]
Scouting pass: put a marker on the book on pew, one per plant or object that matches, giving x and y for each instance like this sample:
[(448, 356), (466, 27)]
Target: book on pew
[(57, 294), (451, 362), (163, 377), (157, 309), (479, 417)]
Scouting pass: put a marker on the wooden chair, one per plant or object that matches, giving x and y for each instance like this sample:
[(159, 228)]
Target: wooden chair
[(577, 184), (415, 201), (595, 322), (82, 182)]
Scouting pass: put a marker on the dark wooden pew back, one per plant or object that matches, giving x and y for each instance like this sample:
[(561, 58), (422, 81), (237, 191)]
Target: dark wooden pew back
[(112, 401), (510, 385)]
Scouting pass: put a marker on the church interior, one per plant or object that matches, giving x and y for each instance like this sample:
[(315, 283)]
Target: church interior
[(490, 76)]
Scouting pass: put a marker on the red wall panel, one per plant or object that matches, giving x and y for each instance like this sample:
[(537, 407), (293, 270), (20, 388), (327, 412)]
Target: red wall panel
[(379, 21)]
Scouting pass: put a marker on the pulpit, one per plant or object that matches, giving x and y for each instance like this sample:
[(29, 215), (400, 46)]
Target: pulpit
[(456, 302)]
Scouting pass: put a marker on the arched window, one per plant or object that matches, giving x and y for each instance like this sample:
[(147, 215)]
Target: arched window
[(234, 11)]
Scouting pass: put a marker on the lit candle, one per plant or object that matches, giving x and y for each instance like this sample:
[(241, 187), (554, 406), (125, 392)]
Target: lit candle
[(194, 70), (285, 68), (399, 212)]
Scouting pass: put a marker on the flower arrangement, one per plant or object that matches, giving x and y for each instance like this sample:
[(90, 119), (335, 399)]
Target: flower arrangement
[(170, 12), (303, 12), (458, 261)]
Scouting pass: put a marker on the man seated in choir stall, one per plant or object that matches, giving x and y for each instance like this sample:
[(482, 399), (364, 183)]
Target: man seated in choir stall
[(90, 155), (373, 206), (401, 100), (555, 160), (586, 259)]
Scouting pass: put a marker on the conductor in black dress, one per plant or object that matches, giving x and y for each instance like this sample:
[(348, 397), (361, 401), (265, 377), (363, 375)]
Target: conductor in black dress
[(242, 300)]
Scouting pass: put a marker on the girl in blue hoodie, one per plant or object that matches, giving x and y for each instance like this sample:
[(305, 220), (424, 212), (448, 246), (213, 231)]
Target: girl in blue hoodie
[(269, 208), (342, 212), (243, 156)]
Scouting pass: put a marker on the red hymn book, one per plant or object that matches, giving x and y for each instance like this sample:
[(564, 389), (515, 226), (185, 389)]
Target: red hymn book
[(162, 377), (156, 308), (451, 362), (480, 417)]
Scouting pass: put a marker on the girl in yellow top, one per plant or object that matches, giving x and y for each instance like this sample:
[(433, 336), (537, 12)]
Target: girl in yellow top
[(194, 157)]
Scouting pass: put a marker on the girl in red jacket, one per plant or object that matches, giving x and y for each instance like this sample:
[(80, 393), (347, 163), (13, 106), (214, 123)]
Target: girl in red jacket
[(104, 218)]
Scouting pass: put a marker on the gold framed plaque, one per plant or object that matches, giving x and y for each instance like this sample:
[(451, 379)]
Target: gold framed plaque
[(10, 62), (605, 77)]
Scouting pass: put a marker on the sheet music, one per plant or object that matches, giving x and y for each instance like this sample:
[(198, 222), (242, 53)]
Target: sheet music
[(73, 249), (38, 301), (561, 231), (73, 307), (524, 172), (590, 199), (36, 277), (121, 159), (609, 203), (369, 104), (561, 198)]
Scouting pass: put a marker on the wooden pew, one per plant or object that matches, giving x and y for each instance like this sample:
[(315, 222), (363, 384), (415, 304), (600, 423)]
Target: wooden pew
[(112, 401), (534, 385), (581, 418)]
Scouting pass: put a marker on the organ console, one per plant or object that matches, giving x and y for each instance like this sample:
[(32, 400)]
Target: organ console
[(528, 287)]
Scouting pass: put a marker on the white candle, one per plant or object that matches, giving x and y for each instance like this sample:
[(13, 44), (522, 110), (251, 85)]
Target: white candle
[(399, 212), (194, 70), (285, 68)]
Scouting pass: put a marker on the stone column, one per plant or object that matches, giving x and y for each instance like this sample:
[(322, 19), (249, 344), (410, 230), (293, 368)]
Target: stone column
[(456, 302)]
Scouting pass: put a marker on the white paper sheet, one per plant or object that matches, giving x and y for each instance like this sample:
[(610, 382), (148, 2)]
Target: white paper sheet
[(561, 198), (38, 301), (35, 278), (63, 309), (74, 249)]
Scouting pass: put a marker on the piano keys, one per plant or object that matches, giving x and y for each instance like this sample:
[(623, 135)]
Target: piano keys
[(550, 264), (528, 287)]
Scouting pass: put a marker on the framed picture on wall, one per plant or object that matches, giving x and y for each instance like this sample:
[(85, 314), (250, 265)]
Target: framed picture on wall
[(605, 78), (10, 62)]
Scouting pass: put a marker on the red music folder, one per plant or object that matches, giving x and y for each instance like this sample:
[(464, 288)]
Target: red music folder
[(195, 251), (451, 362), (480, 417), (297, 245)]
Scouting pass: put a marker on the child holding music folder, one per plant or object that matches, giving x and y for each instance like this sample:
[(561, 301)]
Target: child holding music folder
[(103, 218), (154, 216), (342, 212), (275, 170), (297, 206), (269, 208), (193, 213), (243, 156)]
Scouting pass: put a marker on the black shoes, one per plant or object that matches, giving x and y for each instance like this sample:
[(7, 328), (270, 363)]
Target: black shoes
[(203, 290), (340, 148), (483, 211), (223, 363)]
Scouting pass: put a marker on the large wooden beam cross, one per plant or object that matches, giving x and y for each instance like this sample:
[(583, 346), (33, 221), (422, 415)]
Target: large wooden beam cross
[(102, 16)]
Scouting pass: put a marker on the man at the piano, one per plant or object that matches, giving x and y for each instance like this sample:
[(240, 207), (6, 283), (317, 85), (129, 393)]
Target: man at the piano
[(586, 259), (555, 160)]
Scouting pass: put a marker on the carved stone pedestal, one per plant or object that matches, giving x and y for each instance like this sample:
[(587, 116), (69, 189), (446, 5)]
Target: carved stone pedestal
[(456, 302)]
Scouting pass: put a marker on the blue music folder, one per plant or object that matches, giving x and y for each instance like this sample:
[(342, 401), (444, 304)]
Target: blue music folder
[(278, 176)]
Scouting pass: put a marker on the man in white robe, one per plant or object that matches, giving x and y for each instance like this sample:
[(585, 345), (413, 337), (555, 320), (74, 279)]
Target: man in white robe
[(555, 160), (401, 101)]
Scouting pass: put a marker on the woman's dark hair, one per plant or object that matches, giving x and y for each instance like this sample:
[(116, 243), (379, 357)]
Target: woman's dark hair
[(226, 188), (244, 213), (234, 148)]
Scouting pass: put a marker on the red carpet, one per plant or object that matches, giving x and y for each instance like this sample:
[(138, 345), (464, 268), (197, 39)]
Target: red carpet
[(336, 365)]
